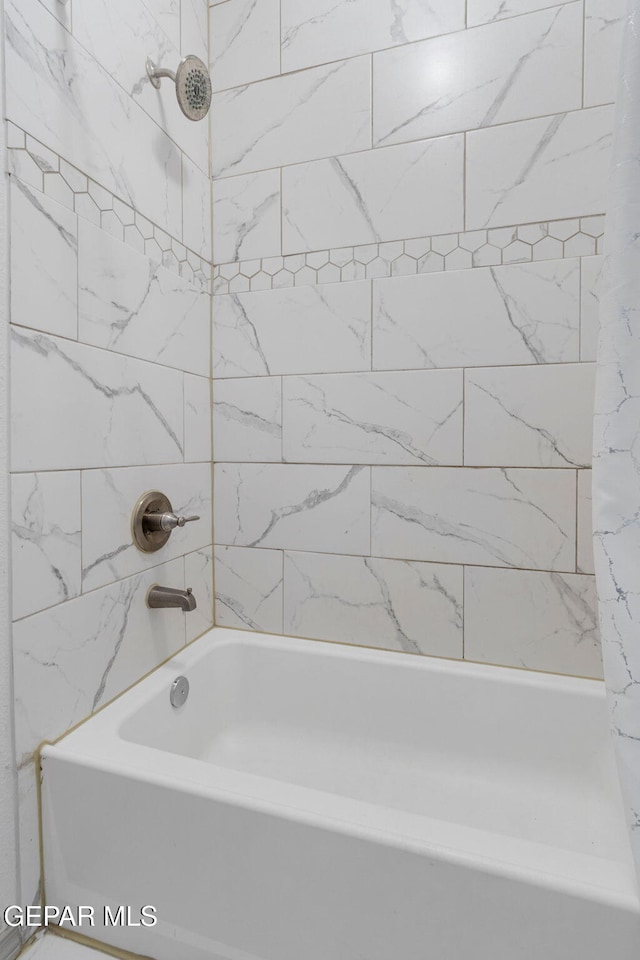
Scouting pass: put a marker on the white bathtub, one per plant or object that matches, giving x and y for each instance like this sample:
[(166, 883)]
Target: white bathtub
[(312, 801)]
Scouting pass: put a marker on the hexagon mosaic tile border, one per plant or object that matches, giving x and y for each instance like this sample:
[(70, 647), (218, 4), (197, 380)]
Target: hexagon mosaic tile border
[(550, 240), (43, 169)]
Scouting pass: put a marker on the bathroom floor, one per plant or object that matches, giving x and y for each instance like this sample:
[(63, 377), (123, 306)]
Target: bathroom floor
[(50, 947)]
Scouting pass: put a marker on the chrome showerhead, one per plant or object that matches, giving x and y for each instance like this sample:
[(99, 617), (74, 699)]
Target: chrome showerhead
[(193, 86)]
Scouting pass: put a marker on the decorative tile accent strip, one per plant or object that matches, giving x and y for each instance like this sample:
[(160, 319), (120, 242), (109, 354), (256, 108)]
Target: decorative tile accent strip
[(52, 175), (579, 237)]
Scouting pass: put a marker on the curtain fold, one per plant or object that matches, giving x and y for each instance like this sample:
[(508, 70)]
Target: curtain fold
[(616, 465)]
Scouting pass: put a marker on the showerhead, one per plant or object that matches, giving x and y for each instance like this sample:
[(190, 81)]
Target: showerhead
[(193, 86)]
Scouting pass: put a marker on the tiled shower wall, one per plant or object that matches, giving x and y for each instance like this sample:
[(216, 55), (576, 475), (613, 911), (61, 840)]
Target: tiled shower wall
[(110, 311), (408, 229)]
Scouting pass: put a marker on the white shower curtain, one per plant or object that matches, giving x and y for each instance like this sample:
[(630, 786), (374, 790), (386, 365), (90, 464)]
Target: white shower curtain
[(616, 474)]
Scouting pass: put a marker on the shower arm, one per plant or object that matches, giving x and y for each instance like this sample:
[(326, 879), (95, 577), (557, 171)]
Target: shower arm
[(156, 73)]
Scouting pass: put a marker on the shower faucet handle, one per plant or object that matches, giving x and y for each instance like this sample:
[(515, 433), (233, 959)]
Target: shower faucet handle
[(169, 521), (153, 521)]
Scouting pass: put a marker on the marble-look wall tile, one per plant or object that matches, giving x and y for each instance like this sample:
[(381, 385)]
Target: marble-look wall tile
[(197, 418), (585, 524), (498, 517), (167, 15), (194, 28), (130, 304), (394, 604), (99, 409), (198, 574), (316, 329), (317, 113), (247, 419), (249, 589), (538, 416), (120, 35), (246, 217), (73, 658), (57, 91), (603, 27), (540, 621), (244, 42), (196, 208), (61, 10), (516, 314), (44, 263), (486, 11), (548, 168), (29, 834), (108, 500), (591, 268), (318, 31), (45, 540), (370, 197), (292, 506), (510, 70), (410, 417)]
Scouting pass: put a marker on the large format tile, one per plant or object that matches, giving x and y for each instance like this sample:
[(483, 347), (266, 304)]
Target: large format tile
[(45, 536), (318, 31), (516, 314), (167, 14), (603, 28), (29, 837), (315, 329), (247, 419), (108, 500), (196, 209), (544, 169), (541, 621), (512, 518), (194, 28), (130, 304), (538, 416), (246, 217), (244, 42), (411, 417), (101, 409), (73, 658), (394, 604), (486, 11), (249, 588), (510, 70), (395, 192), (291, 506), (197, 418), (44, 263), (198, 575), (584, 555), (59, 93), (591, 278), (316, 113)]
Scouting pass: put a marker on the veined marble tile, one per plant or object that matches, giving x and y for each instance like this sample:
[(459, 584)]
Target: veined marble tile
[(44, 263), (317, 113), (121, 35), (541, 621), (61, 10), (246, 217), (249, 588), (196, 208), (316, 329), (197, 418), (538, 416), (100, 409), (591, 271), (45, 540), (318, 31), (244, 42), (549, 168), (167, 15), (509, 70), (194, 28), (370, 197), (198, 574), (512, 518), (130, 304), (292, 506), (516, 314), (247, 419), (394, 604), (604, 23), (585, 524), (410, 417), (108, 500), (58, 92), (486, 11), (29, 834), (73, 658)]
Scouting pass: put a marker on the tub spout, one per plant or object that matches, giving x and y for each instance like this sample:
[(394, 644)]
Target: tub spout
[(158, 596)]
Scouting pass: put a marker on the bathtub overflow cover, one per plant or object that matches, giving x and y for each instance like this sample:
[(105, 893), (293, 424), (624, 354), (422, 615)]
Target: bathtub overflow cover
[(179, 691)]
